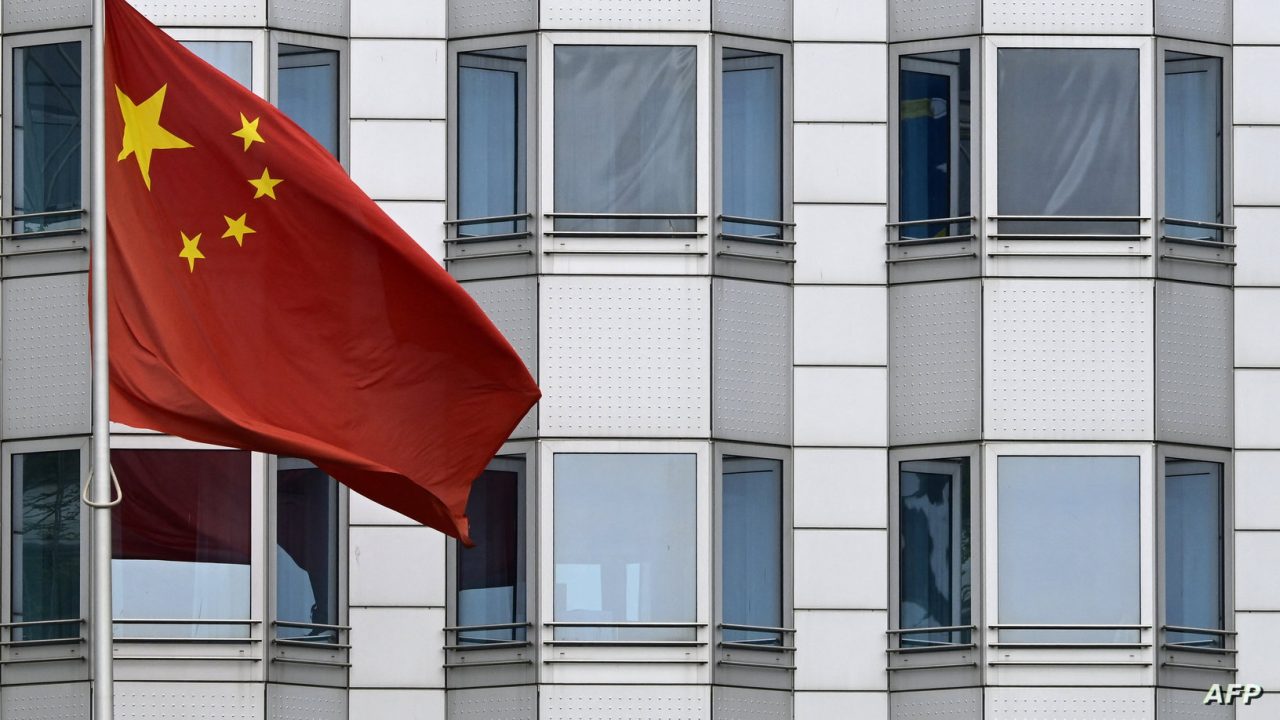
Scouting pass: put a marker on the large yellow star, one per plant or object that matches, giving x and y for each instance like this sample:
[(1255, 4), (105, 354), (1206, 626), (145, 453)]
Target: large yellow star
[(191, 250), (237, 229), (265, 185), (248, 131), (142, 131)]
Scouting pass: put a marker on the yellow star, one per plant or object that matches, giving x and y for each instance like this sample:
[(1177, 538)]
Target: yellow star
[(237, 229), (249, 131), (142, 131), (265, 185), (191, 250)]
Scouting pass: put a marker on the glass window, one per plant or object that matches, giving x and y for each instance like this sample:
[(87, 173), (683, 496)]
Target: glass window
[(934, 551), (47, 135), (235, 58), (46, 544), (1068, 138), (181, 542), (1068, 535), (491, 140), (307, 91), (306, 552), (625, 136), (751, 549), (625, 548), (1193, 550), (751, 142), (491, 575), (1192, 145), (934, 106)]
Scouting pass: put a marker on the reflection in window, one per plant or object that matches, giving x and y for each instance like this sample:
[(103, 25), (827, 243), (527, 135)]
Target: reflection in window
[(46, 544), (1068, 138), (934, 551), (751, 549), (751, 137), (307, 91), (934, 106), (491, 140), (1193, 547), (1192, 144), (181, 543), (1068, 535), (625, 136), (625, 549), (491, 575), (234, 58), (306, 552), (47, 135)]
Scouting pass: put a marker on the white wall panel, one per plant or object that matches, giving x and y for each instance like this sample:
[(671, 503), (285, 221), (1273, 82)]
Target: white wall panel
[(626, 14), (952, 704), (841, 82), (1259, 645), (364, 511), (396, 566), (1257, 480), (840, 406), (1068, 360), (398, 704), (1266, 707), (840, 487), (625, 357), (512, 305), (1208, 20), (32, 15), (189, 700), (841, 325), (200, 13), (423, 220), (751, 361), (305, 702), (397, 647), (1193, 363), (1114, 17), (1257, 588), (734, 703), (399, 18), (45, 346), (920, 19), (1257, 342), (845, 20), (841, 650), (841, 244), (1257, 155), (812, 705), (1257, 397), (1256, 21), (61, 701), (840, 162), (1257, 230), (399, 159), (399, 79), (1189, 705), (1044, 703), (1255, 97), (327, 17), (841, 569), (495, 703), (757, 18), (625, 702)]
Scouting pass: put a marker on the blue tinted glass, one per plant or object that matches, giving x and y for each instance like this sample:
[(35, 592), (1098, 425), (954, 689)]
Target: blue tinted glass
[(751, 548), (306, 551), (235, 58), (307, 80), (751, 133), (933, 142), (46, 543), (934, 550), (491, 575), (491, 146), (1193, 143), (1193, 550), (47, 134)]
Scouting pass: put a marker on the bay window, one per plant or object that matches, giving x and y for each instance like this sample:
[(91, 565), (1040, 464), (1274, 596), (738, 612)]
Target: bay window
[(935, 579), (491, 601)]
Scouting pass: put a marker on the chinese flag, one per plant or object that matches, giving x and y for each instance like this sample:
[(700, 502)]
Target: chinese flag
[(259, 300)]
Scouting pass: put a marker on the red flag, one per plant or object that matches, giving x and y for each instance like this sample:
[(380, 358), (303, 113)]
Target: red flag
[(258, 299)]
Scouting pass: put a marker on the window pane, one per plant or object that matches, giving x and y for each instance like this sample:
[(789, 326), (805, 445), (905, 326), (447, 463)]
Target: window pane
[(751, 137), (625, 135), (934, 550), (751, 548), (491, 575), (181, 543), (1068, 137), (1193, 586), (933, 142), (308, 91), (1068, 530), (491, 139), (46, 543), (1193, 143), (47, 135), (234, 58), (306, 550), (625, 549)]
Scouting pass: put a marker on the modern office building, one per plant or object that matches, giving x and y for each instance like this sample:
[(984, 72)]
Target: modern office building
[(901, 359)]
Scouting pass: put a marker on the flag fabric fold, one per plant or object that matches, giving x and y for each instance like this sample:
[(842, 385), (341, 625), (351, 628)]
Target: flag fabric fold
[(258, 299)]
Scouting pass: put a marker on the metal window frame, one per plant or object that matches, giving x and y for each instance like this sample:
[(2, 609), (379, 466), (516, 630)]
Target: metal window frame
[(275, 38)]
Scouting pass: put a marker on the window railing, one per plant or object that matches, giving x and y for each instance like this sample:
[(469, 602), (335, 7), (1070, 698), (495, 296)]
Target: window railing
[(17, 232), (952, 234), (963, 638), (323, 645), (464, 637), (18, 649), (468, 240), (690, 629), (679, 225), (247, 637), (763, 239)]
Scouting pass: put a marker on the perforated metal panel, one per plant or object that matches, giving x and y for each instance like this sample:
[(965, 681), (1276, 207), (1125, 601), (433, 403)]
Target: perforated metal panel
[(202, 13), (760, 18), (1050, 703), (330, 17), (751, 363), (498, 703), (920, 19), (1110, 17), (45, 347), (1068, 360), (1189, 705), (1193, 363), (935, 362), (955, 704), (304, 702), (1194, 19), (512, 305), (189, 701), (626, 14), (64, 701), (625, 357), (625, 702), (32, 15), (487, 17), (730, 703)]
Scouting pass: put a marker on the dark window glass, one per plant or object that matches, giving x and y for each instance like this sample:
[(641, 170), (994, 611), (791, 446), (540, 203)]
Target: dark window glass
[(491, 575), (933, 142), (306, 551), (47, 135), (1192, 145), (934, 551), (1193, 542), (307, 80), (491, 140), (751, 142), (46, 544), (235, 58), (751, 549)]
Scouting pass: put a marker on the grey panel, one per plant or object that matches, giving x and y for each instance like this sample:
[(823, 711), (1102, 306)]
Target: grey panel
[(329, 17), (625, 702), (512, 305), (731, 703), (63, 701), (954, 704), (1193, 363), (498, 703), (32, 15), (751, 363), (626, 14), (935, 362), (490, 17), (1208, 20), (1189, 705), (45, 347), (1050, 703), (920, 19), (303, 702), (189, 700), (760, 18), (1067, 16), (201, 13)]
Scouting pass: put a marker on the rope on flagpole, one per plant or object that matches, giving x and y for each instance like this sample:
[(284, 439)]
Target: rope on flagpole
[(88, 483)]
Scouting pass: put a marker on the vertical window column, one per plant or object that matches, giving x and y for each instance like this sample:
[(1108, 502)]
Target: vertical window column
[(47, 139), (45, 531)]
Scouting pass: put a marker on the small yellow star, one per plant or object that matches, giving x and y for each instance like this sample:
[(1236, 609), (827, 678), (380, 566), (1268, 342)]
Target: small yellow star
[(237, 229), (142, 131), (265, 185), (249, 131), (191, 250)]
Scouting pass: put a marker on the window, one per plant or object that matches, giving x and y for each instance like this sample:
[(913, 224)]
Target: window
[(46, 545), (751, 550), (934, 552), (306, 552), (47, 136), (1068, 548), (625, 549), (491, 141), (625, 138), (235, 58), (751, 143), (934, 126), (1193, 196), (307, 91), (491, 576), (1194, 580)]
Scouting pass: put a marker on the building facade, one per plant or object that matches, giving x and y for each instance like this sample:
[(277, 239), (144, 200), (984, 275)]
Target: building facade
[(900, 358)]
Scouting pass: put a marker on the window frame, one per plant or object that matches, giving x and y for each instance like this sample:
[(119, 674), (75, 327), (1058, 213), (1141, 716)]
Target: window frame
[(276, 38), (257, 38)]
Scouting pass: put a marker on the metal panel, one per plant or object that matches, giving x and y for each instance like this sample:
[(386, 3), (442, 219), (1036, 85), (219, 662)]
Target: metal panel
[(1208, 20), (63, 701), (626, 14), (189, 700), (202, 13), (500, 703), (751, 363), (935, 362), (491, 17), (1067, 16), (32, 15), (1068, 359), (759, 18), (730, 703), (302, 702), (841, 649), (1189, 705), (512, 305), (1193, 364), (625, 356), (953, 704), (921, 19), (1051, 703), (625, 702), (46, 356), (329, 17)]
